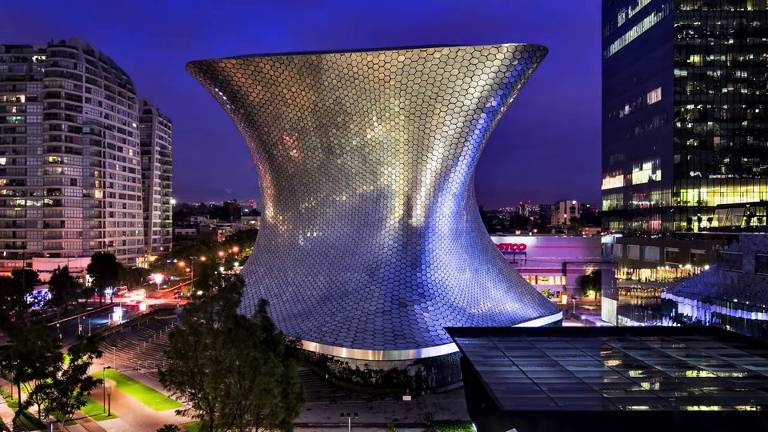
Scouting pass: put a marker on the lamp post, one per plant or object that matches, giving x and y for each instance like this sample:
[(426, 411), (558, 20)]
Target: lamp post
[(349, 417), (104, 387), (157, 278)]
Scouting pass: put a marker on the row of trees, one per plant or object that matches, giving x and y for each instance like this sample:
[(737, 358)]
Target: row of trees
[(45, 375), (235, 373), (65, 290), (106, 271), (32, 358)]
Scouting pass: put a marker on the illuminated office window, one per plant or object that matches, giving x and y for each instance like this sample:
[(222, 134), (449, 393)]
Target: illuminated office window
[(637, 30), (653, 96), (646, 171)]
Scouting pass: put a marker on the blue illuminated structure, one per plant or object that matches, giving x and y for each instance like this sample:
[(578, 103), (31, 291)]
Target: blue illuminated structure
[(371, 241)]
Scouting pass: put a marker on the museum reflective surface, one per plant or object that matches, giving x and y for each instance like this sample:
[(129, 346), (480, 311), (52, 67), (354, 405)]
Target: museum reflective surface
[(371, 242)]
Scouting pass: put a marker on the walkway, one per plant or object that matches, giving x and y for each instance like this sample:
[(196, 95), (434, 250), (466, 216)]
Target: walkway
[(133, 416), (6, 413)]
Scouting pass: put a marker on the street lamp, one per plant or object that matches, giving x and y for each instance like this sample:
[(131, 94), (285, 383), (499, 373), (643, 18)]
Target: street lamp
[(349, 417), (104, 390), (158, 279)]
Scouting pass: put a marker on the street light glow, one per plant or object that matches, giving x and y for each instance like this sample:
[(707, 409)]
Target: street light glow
[(158, 278)]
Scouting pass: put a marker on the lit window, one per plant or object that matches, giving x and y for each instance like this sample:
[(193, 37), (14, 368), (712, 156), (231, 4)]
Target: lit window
[(646, 171), (653, 96), (637, 30)]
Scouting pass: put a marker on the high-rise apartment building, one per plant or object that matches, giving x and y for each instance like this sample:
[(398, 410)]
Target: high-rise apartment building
[(70, 157), (685, 114), (564, 212), (156, 139)]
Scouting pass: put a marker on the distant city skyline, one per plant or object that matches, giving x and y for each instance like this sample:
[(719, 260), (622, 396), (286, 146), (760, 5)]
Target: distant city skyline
[(545, 149)]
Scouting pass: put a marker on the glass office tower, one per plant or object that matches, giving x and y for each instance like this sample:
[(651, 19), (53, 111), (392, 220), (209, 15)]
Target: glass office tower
[(685, 126)]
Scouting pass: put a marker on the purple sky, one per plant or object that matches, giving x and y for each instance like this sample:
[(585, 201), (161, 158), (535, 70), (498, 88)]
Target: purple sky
[(547, 146)]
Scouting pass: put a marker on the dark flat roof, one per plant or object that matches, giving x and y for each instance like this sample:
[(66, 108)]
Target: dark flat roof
[(618, 369)]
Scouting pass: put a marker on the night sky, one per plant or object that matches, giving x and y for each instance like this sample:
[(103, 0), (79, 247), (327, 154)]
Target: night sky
[(546, 147)]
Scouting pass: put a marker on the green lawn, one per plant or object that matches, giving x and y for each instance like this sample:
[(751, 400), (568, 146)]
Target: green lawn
[(95, 410), (27, 418), (139, 391), (191, 427), (453, 427)]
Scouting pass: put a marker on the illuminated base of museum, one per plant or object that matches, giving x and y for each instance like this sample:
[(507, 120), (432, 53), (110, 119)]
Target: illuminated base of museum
[(412, 354), (432, 368)]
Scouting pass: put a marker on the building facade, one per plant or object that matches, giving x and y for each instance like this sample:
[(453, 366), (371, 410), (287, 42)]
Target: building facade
[(685, 115), (156, 176), (554, 264), (564, 213), (70, 161)]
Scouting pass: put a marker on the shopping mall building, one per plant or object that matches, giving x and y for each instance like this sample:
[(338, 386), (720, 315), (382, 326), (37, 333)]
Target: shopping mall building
[(554, 264)]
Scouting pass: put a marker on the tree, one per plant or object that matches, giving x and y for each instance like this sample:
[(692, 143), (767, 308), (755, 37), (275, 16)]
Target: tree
[(591, 282), (13, 300), (236, 373), (133, 277), (26, 277), (31, 351), (104, 270), (71, 383), (29, 359), (64, 288)]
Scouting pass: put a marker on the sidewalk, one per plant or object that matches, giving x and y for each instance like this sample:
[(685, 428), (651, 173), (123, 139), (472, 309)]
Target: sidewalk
[(6, 413), (135, 416)]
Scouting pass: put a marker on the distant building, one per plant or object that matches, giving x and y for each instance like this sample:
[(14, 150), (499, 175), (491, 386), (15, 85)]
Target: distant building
[(564, 213), (684, 115), (187, 232), (249, 222), (200, 220), (156, 176), (530, 209), (232, 211), (70, 166)]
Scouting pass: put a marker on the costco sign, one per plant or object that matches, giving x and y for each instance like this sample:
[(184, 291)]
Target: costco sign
[(511, 247)]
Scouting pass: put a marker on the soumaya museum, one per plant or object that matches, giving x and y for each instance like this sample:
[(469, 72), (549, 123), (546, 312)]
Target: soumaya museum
[(386, 141)]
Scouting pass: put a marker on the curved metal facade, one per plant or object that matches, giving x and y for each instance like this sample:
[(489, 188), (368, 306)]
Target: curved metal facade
[(371, 241)]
